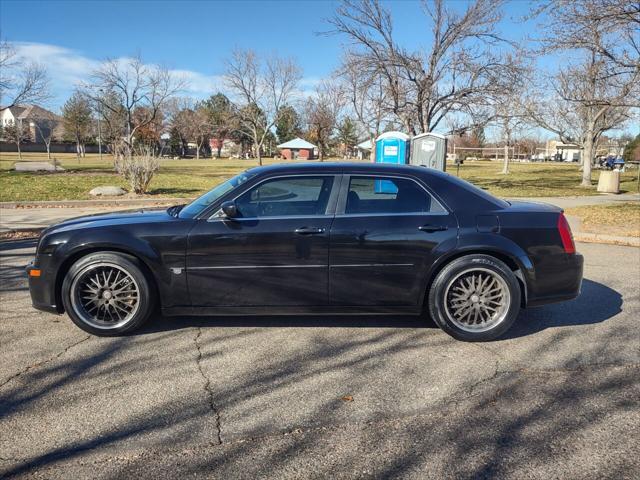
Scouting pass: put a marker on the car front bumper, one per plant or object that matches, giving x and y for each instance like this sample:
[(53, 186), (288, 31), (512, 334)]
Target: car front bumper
[(42, 288)]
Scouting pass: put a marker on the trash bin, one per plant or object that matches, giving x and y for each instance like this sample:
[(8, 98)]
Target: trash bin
[(429, 150), (609, 181)]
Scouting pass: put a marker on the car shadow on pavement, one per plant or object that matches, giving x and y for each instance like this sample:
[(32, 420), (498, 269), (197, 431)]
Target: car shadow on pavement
[(596, 304), (161, 323)]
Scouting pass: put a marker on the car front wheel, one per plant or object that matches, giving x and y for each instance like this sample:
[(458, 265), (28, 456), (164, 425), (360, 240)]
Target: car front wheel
[(107, 294), (475, 298)]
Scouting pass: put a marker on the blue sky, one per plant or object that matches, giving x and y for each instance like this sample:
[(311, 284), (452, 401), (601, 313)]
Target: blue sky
[(192, 37)]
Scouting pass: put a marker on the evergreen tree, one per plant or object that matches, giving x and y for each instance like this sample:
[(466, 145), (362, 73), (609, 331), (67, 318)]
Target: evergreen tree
[(288, 124)]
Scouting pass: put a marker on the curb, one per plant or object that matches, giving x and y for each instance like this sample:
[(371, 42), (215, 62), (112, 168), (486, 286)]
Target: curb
[(607, 239), (94, 203)]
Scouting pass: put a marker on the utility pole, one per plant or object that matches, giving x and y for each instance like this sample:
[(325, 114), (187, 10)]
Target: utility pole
[(99, 130)]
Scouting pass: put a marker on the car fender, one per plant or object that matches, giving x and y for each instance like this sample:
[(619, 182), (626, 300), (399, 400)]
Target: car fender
[(83, 242), (490, 244)]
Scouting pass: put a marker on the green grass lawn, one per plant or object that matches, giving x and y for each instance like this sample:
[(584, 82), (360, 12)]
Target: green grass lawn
[(188, 178)]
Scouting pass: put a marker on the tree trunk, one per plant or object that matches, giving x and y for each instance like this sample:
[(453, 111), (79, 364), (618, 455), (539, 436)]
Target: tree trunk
[(219, 151), (48, 151), (372, 155), (259, 155), (78, 150), (197, 152), (19, 151), (505, 168), (586, 163)]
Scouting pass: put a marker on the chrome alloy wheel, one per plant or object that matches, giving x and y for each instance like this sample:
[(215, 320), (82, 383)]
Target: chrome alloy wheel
[(477, 299), (104, 295)]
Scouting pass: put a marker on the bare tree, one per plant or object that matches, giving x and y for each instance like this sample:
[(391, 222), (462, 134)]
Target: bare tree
[(47, 128), (365, 96), (598, 90), (201, 128), (262, 87), (112, 119), (134, 85), (608, 27), (16, 133), (462, 70), (20, 81), (322, 110)]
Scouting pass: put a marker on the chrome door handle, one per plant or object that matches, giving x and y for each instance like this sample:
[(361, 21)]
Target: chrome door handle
[(432, 228), (309, 230)]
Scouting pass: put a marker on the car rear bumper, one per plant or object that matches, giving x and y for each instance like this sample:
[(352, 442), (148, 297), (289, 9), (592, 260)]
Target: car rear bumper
[(557, 281), (42, 289)]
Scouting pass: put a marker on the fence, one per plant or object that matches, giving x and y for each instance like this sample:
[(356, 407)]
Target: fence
[(41, 148)]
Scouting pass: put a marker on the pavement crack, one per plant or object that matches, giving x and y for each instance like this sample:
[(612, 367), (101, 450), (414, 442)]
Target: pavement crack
[(43, 362), (207, 385)]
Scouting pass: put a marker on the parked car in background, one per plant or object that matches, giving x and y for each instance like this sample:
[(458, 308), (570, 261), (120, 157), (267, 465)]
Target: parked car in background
[(318, 238)]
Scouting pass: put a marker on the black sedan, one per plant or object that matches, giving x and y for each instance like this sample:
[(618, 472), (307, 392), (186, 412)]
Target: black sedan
[(317, 238)]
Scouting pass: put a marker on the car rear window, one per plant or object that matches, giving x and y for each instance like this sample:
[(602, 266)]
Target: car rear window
[(390, 195)]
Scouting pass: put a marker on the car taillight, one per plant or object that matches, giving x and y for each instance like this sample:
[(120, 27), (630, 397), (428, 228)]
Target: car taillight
[(565, 234)]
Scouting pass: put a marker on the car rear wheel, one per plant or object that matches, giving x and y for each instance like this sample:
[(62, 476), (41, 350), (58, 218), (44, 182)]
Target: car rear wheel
[(107, 294), (475, 298)]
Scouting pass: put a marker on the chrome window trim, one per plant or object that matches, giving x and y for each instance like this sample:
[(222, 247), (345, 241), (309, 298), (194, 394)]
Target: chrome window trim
[(213, 218), (335, 187), (402, 214), (342, 202)]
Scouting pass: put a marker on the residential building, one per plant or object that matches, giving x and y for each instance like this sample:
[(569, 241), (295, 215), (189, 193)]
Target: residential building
[(30, 117)]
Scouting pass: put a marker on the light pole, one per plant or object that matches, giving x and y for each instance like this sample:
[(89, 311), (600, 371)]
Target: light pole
[(99, 129)]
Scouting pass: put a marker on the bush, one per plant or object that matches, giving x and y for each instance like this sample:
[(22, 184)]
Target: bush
[(138, 170)]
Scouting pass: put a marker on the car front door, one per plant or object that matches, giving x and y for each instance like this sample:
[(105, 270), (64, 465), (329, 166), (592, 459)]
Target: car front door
[(383, 239), (273, 253)]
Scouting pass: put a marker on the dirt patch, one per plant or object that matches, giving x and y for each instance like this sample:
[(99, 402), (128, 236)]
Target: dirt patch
[(20, 235)]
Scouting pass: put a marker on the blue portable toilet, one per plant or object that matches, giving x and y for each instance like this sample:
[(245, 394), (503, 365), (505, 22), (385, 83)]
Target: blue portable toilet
[(391, 147)]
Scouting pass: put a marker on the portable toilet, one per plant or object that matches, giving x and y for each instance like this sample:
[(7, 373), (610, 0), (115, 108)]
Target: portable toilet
[(429, 150), (392, 147)]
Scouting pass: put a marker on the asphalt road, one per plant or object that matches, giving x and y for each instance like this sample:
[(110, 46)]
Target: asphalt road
[(559, 397)]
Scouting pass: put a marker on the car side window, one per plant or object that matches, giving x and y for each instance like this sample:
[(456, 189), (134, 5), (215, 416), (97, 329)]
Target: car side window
[(288, 196), (373, 195)]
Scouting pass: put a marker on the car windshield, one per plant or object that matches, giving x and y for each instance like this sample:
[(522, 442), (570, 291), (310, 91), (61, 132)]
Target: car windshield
[(202, 202)]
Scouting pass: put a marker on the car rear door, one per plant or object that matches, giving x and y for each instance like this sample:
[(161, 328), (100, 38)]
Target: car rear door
[(274, 254), (384, 237)]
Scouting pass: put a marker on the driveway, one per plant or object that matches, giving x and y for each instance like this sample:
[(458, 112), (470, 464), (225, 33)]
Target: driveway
[(338, 397)]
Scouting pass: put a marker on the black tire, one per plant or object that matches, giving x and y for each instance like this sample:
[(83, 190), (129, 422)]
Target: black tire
[(453, 303), (136, 309)]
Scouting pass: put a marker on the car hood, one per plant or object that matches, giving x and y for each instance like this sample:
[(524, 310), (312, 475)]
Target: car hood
[(125, 217)]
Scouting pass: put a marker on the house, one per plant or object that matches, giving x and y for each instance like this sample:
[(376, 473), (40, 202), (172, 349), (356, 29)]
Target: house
[(37, 121), (364, 149), (566, 152), (297, 148)]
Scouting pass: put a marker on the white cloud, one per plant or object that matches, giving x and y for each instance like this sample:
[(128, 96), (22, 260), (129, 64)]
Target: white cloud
[(68, 68)]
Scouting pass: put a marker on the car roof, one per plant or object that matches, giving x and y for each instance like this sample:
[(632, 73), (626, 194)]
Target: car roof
[(340, 167)]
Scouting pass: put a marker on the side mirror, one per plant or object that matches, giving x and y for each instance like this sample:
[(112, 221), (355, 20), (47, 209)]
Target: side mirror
[(229, 209)]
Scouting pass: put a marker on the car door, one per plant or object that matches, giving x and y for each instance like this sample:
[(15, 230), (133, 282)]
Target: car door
[(383, 240), (274, 253)]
